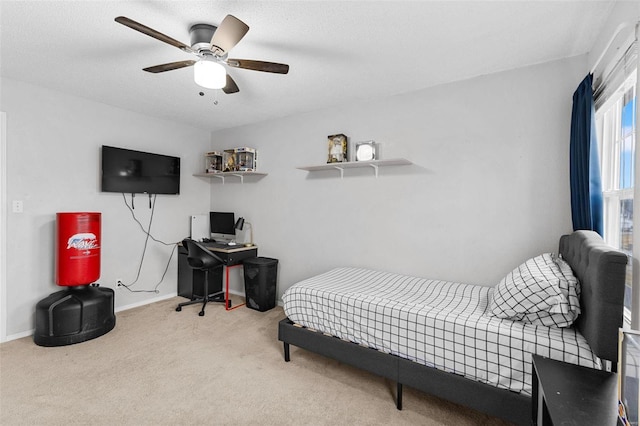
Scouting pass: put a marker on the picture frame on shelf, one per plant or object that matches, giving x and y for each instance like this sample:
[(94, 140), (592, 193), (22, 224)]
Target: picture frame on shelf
[(337, 148)]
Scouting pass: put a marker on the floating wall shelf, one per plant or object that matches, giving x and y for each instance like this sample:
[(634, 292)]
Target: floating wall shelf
[(374, 164), (224, 175)]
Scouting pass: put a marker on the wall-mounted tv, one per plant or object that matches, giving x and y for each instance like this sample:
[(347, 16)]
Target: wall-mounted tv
[(136, 172)]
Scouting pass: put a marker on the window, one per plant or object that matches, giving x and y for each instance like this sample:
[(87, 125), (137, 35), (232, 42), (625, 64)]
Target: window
[(616, 128)]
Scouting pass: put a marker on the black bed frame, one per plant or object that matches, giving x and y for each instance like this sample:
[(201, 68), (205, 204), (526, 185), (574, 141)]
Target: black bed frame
[(601, 271)]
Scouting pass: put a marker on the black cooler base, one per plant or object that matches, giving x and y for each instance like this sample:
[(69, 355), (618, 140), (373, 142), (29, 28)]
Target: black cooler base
[(74, 315)]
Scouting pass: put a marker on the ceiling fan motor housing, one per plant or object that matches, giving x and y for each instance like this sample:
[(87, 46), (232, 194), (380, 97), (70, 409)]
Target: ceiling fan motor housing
[(201, 35)]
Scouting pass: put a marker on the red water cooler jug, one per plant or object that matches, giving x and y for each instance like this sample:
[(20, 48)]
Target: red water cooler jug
[(78, 248)]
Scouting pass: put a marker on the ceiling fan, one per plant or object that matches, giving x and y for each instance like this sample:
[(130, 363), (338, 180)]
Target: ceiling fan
[(211, 44)]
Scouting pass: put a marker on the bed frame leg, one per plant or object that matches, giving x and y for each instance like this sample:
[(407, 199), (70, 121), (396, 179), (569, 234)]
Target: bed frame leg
[(399, 397), (287, 358)]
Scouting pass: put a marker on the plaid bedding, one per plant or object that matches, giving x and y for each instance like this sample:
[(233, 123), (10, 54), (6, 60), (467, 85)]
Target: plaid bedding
[(435, 323)]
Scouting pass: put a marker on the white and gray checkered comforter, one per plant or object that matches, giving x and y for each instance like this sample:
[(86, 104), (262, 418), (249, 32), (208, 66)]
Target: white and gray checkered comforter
[(436, 323)]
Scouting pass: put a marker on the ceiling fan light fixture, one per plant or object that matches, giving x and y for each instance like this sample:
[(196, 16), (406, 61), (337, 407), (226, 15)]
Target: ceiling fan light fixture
[(211, 45), (209, 74)]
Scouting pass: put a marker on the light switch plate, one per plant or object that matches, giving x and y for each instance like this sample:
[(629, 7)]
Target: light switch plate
[(17, 206)]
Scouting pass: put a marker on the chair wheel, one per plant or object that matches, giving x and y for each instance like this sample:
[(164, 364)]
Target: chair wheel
[(201, 313), (179, 308), (228, 304)]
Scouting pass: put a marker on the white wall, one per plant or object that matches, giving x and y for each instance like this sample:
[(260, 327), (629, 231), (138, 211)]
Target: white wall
[(53, 155), (489, 186), (614, 38)]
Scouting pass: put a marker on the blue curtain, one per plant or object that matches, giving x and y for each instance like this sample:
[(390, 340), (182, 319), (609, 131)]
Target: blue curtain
[(586, 186)]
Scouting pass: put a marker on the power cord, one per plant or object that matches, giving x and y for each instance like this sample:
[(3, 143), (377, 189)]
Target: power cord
[(147, 232), (133, 214)]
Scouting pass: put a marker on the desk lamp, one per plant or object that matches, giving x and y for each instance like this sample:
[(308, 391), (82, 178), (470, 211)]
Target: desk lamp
[(240, 224)]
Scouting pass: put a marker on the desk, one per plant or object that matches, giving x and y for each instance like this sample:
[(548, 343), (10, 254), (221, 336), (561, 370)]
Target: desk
[(568, 394), (191, 281), (232, 256)]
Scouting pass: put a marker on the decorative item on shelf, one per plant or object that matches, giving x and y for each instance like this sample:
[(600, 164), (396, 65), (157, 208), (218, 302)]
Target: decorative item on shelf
[(229, 161), (247, 159), (365, 151), (240, 223), (213, 162), (337, 148), (240, 159)]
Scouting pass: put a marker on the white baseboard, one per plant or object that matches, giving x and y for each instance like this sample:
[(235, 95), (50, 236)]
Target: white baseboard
[(117, 309), (146, 302), (122, 308), (19, 335)]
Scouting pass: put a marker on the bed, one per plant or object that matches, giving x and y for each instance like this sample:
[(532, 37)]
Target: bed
[(454, 340)]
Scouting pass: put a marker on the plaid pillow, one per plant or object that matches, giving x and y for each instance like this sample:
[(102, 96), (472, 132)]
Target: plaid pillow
[(541, 291)]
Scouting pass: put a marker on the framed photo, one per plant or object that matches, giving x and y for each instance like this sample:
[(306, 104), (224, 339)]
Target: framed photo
[(337, 148), (365, 151)]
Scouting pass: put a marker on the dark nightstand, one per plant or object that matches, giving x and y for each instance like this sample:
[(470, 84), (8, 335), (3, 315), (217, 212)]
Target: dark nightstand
[(568, 394)]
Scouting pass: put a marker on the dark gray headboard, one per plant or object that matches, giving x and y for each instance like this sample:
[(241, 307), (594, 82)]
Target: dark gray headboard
[(601, 270)]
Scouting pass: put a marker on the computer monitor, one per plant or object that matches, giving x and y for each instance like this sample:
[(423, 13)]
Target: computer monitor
[(222, 226)]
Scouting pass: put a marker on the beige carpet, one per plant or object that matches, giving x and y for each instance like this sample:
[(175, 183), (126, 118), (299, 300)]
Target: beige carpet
[(159, 366)]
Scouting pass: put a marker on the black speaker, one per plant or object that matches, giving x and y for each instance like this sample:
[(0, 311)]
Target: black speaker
[(260, 277)]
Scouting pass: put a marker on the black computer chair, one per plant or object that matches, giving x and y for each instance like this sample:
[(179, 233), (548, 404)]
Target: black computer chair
[(202, 259)]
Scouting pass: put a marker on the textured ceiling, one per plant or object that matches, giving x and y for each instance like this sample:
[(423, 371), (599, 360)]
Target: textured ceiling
[(338, 52)]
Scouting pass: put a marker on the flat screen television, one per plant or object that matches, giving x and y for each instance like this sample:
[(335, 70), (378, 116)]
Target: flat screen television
[(137, 172)]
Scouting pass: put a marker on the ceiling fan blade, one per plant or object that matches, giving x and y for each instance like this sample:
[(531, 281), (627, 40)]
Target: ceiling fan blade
[(153, 33), (228, 34), (258, 65), (169, 67), (231, 86)]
